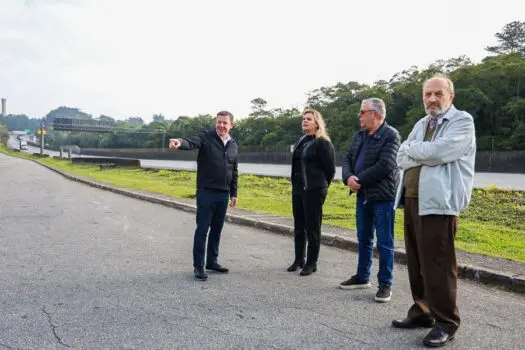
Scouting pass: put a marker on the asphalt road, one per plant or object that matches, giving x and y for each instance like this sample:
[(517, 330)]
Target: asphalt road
[(86, 268)]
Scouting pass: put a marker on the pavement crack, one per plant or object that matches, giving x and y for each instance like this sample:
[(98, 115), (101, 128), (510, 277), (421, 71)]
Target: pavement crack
[(342, 333), (54, 328), (495, 326)]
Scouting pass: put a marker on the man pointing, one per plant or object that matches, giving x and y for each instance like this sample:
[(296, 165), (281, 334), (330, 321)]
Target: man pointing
[(216, 183)]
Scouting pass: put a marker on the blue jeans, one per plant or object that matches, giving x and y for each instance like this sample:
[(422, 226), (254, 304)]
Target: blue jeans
[(211, 210), (379, 216)]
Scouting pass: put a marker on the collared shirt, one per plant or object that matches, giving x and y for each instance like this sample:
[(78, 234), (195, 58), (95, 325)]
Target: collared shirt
[(225, 141)]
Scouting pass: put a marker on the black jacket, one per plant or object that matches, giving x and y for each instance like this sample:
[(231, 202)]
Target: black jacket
[(379, 177), (318, 164), (216, 163)]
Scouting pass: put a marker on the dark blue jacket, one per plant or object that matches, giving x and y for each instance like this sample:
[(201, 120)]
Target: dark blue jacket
[(379, 177)]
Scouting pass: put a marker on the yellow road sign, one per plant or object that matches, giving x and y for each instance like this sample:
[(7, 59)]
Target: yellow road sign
[(40, 132)]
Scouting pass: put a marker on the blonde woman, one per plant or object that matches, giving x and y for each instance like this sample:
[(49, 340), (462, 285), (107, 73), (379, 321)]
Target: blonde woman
[(313, 169)]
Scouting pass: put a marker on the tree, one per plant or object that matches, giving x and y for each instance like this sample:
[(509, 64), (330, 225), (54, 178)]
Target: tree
[(450, 65), (106, 118), (4, 135), (19, 122), (511, 39), (259, 108), (135, 121), (65, 112), (159, 118), (492, 91)]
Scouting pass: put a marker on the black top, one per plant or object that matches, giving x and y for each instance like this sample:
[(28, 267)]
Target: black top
[(316, 165), (216, 163), (297, 175), (379, 176)]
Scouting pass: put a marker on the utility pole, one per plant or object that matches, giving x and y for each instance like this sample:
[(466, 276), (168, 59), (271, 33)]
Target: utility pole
[(42, 138)]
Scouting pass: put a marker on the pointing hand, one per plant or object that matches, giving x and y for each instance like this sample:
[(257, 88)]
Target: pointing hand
[(174, 144)]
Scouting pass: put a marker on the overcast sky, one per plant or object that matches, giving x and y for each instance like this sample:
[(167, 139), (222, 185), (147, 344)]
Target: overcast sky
[(134, 58)]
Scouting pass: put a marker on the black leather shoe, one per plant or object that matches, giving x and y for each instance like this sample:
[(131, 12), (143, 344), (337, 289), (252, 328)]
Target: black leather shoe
[(217, 268), (437, 337), (416, 322), (200, 274), (295, 266), (308, 269)]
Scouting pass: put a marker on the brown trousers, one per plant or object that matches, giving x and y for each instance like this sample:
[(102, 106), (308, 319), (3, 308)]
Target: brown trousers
[(432, 267)]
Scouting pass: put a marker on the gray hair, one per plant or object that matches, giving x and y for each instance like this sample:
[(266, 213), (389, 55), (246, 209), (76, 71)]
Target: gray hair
[(445, 78), (377, 105)]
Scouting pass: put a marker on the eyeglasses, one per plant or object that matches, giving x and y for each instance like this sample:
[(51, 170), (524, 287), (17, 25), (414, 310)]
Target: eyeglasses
[(361, 112)]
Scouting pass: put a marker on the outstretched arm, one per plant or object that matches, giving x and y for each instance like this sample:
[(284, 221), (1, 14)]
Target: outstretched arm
[(190, 142)]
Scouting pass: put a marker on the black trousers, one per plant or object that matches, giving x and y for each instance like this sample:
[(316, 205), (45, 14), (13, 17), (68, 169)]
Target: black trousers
[(308, 216)]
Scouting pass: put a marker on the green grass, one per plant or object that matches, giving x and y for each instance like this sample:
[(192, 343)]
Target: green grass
[(493, 225)]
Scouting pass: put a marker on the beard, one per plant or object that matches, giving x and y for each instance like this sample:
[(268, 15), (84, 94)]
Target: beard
[(434, 112)]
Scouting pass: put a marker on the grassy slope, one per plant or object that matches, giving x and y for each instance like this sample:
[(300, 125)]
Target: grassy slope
[(494, 224)]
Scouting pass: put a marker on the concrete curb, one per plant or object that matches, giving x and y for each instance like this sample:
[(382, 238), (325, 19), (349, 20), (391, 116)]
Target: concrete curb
[(482, 275)]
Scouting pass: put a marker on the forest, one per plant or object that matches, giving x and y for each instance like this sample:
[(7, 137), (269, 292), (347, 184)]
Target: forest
[(492, 90)]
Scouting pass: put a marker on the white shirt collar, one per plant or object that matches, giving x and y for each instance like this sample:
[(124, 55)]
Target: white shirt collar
[(225, 141)]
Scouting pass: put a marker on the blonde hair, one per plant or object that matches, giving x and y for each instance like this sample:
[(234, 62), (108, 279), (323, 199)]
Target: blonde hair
[(320, 133)]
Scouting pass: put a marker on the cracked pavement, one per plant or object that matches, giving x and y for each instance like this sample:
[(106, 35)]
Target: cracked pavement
[(54, 328), (90, 269)]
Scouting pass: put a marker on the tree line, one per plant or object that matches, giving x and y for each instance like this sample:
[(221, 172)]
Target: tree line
[(493, 91)]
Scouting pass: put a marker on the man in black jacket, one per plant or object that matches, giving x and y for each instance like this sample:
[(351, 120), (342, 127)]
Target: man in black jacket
[(370, 170), (216, 181)]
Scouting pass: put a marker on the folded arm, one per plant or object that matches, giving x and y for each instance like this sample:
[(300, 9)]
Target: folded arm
[(453, 145), (403, 160)]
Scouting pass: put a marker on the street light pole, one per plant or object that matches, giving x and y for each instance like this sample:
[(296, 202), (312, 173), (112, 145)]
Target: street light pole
[(42, 138)]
